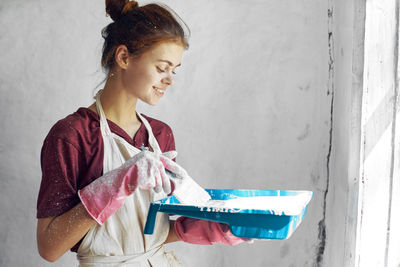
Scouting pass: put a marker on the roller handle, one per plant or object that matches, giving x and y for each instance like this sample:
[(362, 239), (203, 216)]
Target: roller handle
[(151, 220)]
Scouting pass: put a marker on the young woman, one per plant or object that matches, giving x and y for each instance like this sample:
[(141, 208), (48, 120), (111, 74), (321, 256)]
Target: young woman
[(103, 165)]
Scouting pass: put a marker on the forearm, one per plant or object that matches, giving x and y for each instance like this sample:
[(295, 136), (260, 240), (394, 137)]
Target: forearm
[(172, 236), (56, 235)]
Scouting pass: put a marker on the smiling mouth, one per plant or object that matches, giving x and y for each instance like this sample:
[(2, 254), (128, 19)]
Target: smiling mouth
[(159, 90)]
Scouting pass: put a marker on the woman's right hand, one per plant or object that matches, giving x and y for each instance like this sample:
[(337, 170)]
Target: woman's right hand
[(145, 170)]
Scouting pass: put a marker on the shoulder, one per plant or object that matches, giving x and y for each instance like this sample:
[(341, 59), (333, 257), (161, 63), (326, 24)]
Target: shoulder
[(75, 127)]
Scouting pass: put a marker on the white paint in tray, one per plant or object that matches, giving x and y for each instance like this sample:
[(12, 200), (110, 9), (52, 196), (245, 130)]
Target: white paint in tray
[(277, 205)]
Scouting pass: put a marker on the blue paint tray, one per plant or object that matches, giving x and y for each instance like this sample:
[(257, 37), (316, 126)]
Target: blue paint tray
[(262, 214)]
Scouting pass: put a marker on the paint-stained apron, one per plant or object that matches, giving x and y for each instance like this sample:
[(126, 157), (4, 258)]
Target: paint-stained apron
[(120, 240)]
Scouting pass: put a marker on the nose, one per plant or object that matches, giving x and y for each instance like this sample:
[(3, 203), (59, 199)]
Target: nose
[(168, 79)]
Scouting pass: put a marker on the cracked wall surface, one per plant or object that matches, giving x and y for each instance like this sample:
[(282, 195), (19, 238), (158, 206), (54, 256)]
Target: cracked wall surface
[(342, 199), (322, 235)]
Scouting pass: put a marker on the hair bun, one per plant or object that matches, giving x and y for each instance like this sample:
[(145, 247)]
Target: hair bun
[(115, 8)]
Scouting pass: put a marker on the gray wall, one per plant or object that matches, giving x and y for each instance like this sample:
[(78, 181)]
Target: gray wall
[(347, 43), (251, 108)]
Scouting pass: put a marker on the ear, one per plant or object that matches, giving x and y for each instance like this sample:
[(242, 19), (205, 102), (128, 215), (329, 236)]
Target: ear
[(122, 56)]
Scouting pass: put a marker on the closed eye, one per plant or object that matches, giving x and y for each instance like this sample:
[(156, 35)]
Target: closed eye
[(160, 70), (163, 71)]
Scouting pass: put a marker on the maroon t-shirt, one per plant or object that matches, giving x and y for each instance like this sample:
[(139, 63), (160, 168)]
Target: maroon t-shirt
[(72, 157)]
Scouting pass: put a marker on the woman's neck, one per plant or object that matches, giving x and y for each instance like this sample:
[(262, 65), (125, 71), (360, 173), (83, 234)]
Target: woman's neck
[(120, 107)]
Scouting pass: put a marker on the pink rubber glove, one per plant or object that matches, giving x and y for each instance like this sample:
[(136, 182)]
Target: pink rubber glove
[(204, 232), (146, 170)]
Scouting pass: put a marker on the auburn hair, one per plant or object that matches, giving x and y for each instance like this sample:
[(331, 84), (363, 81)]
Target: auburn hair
[(139, 28)]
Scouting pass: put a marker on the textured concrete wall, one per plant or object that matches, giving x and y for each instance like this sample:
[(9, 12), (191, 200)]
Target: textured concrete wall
[(251, 108), (347, 43)]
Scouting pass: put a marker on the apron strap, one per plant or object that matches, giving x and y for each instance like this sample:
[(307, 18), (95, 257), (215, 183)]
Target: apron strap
[(103, 120), (152, 140)]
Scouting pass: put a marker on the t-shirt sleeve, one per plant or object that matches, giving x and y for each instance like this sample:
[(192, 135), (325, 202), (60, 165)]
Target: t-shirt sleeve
[(60, 163)]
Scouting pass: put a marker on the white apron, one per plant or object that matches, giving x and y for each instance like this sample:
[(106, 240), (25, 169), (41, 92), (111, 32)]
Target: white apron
[(120, 240)]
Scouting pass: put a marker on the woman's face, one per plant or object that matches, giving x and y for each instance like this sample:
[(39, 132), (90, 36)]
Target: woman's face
[(148, 76)]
